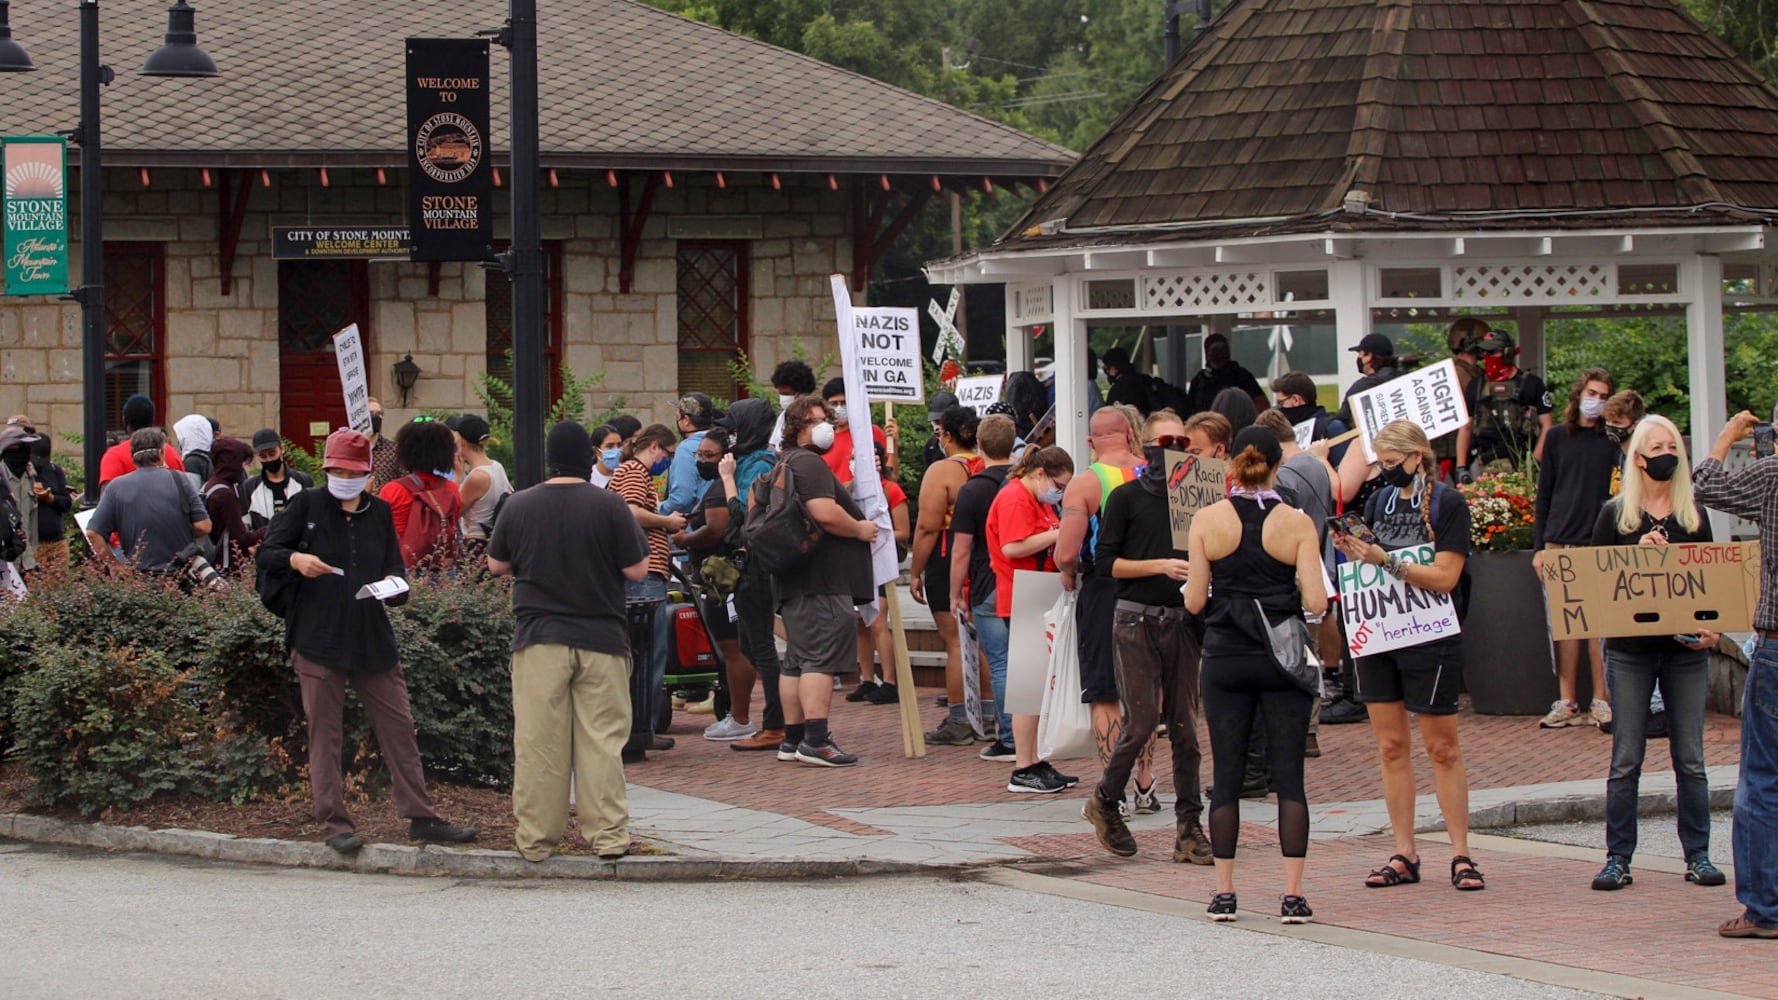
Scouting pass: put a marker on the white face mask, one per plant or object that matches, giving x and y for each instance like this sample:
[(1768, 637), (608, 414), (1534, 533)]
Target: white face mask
[(1591, 407), (784, 402), (821, 436), (346, 487), (839, 414)]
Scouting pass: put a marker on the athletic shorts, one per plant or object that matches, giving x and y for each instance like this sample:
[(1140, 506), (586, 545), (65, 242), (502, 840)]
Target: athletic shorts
[(821, 635), (1427, 678), (1093, 613), (938, 583)]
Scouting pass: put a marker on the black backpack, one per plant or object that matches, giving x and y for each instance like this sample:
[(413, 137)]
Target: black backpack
[(780, 534), (13, 541)]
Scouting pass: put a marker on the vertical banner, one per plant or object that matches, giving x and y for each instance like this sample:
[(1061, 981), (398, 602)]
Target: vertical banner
[(450, 181), (867, 487), (348, 350), (35, 168)]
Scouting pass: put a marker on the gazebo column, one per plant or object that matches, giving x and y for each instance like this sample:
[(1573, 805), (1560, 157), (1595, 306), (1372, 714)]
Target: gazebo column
[(1701, 277), (1349, 286), (1533, 347), (1018, 338), (1071, 369)]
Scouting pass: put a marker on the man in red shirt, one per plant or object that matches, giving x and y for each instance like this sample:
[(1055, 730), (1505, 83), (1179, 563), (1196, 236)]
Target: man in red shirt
[(138, 412), (839, 457)]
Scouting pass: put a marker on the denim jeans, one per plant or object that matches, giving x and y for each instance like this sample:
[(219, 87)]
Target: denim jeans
[(1756, 797), (994, 633), (1683, 676), (753, 611), (653, 586)]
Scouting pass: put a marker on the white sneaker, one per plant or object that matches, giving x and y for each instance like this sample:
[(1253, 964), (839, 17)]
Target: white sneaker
[(1563, 713), (728, 730)]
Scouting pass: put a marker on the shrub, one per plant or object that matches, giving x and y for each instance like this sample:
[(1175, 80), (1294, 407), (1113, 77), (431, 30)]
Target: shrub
[(455, 639)]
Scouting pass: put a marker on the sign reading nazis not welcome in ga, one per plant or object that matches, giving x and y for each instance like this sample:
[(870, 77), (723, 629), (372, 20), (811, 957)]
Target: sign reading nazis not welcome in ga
[(449, 177), (1629, 590), (888, 340)]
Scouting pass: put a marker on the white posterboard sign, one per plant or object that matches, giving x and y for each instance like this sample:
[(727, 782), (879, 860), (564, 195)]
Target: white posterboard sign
[(978, 392), (1028, 651), (1431, 397), (867, 486), (348, 350), (888, 343), (1382, 613), (1305, 433)]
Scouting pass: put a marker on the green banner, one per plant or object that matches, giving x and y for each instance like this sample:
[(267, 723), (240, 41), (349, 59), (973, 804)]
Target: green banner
[(35, 169)]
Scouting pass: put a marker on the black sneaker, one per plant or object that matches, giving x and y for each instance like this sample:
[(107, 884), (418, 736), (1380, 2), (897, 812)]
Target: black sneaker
[(1036, 780), (346, 843), (1222, 907), (787, 750), (1343, 711), (1067, 780), (826, 755), (885, 694), (437, 831), (1295, 911), (862, 692), (998, 751), (1147, 802), (1699, 869), (1616, 874)]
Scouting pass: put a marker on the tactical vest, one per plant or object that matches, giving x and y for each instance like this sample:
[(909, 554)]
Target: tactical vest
[(1505, 426)]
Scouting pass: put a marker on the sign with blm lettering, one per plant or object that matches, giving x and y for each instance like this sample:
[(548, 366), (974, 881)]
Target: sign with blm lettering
[(1431, 397), (1193, 483), (1631, 590), (978, 392), (348, 350), (888, 340), (1382, 612)]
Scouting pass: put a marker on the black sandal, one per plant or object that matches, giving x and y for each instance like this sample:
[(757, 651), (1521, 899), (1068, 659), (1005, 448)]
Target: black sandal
[(1389, 875), (1463, 870)]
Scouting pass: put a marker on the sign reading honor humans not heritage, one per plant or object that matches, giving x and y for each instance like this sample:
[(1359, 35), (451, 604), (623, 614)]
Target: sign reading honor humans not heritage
[(1382, 613), (888, 342), (1626, 590), (1193, 483), (348, 350), (1431, 397), (35, 218), (450, 180)]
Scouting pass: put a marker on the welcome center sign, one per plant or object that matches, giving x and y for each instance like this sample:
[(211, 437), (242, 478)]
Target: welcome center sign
[(35, 214)]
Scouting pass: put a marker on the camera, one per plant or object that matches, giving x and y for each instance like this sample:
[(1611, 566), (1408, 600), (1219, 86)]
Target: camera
[(1763, 439), (193, 569)]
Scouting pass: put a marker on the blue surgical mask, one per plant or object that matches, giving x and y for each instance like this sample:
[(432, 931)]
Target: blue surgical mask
[(1050, 497), (610, 457)]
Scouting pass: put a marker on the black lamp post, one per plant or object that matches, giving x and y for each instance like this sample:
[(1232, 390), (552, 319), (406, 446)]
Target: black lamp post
[(179, 56), (525, 258)]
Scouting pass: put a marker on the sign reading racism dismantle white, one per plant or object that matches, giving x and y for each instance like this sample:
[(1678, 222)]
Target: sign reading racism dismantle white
[(348, 350), (1382, 613), (888, 340), (1431, 397)]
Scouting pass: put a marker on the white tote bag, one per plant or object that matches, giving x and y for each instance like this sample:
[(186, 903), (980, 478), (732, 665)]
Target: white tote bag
[(1065, 726)]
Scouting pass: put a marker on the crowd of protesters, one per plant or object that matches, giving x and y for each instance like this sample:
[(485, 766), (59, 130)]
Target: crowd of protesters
[(755, 509)]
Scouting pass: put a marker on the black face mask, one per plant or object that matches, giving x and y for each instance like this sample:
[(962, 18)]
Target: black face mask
[(16, 459), (272, 466), (1661, 468), (1154, 476), (1298, 414), (706, 470), (1397, 476), (1359, 362), (376, 423), (1618, 435)]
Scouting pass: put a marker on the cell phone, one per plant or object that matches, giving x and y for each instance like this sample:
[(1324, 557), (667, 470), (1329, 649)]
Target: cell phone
[(1352, 523), (1763, 439), (1689, 639)]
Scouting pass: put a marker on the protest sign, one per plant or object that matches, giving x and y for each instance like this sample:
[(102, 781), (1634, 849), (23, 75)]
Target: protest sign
[(887, 340), (1381, 612), (1193, 483), (1305, 432), (1631, 590), (978, 392), (348, 351), (1430, 397)]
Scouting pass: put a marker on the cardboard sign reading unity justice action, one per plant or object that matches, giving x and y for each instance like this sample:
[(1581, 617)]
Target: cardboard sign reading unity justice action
[(1627, 590), (1193, 483)]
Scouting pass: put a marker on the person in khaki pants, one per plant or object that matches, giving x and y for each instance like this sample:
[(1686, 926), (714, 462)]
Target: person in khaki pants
[(569, 546)]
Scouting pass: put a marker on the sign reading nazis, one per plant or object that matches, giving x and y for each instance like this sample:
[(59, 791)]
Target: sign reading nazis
[(450, 179), (1629, 590)]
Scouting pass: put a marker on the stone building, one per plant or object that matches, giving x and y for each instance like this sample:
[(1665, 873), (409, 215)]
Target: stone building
[(698, 189)]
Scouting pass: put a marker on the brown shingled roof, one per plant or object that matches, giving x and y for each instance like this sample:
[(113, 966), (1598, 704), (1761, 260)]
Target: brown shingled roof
[(1289, 110), (622, 84)]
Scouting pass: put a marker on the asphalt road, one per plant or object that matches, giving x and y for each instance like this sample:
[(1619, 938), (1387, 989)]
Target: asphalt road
[(89, 925)]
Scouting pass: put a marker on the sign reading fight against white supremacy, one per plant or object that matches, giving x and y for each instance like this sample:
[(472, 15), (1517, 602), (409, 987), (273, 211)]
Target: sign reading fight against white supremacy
[(1382, 613), (348, 350), (1430, 397), (978, 392), (888, 342)]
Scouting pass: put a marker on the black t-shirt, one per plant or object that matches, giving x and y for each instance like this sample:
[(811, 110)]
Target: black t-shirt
[(1208, 382), (970, 517), (1605, 532), (1573, 482), (1135, 525), (715, 497), (1401, 523), (838, 565), (568, 544)]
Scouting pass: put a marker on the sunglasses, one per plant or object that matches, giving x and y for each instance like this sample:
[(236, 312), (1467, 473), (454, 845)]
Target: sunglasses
[(426, 420), (1178, 442)]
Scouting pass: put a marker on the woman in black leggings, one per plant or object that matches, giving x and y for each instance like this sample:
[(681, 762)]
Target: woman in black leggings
[(1252, 547)]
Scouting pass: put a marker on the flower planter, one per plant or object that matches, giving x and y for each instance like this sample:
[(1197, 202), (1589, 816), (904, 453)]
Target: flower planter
[(1507, 665)]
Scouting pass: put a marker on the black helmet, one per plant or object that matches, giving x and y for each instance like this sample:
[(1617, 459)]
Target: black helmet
[(1497, 341), (1465, 334)]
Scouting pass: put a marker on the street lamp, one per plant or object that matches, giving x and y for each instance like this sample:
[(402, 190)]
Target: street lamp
[(179, 56)]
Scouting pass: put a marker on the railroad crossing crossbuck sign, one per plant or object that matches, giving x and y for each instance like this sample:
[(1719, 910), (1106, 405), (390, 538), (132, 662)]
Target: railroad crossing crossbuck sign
[(949, 340)]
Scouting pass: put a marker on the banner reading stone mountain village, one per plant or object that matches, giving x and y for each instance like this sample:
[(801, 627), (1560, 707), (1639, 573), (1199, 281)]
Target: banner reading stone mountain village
[(36, 214), (450, 181)]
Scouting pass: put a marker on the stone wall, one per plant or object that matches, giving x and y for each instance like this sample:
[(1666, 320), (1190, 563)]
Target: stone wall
[(222, 353)]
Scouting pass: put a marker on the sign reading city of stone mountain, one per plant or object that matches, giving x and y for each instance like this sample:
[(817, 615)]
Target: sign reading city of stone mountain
[(1382, 612), (450, 180), (1626, 590), (1430, 397), (1193, 483), (889, 349), (341, 242), (35, 217)]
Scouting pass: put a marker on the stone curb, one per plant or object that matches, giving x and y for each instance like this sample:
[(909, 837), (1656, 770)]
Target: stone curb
[(432, 861), (1571, 808)]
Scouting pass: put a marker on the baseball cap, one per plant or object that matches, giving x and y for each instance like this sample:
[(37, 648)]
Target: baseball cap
[(938, 403), (21, 420), (346, 450), (12, 435), (265, 438), (699, 407), (1495, 340), (1375, 343), (473, 429)]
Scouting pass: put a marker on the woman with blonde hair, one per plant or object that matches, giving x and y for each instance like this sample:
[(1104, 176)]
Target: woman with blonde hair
[(1654, 506), (1411, 510)]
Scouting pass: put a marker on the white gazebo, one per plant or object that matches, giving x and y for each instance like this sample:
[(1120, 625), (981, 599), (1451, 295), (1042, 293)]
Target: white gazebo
[(1349, 165)]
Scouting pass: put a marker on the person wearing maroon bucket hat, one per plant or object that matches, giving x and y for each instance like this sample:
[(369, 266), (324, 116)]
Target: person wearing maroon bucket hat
[(332, 542)]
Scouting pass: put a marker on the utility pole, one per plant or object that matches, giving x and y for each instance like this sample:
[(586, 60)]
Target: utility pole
[(525, 264)]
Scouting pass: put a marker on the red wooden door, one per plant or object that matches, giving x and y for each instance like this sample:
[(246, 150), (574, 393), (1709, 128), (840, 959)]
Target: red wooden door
[(316, 299)]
